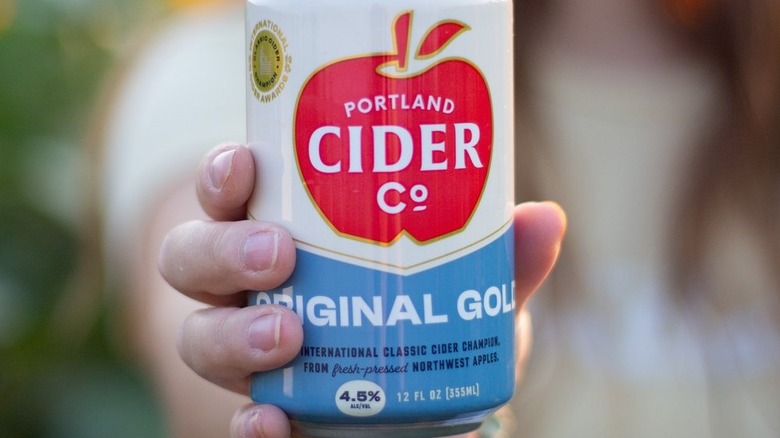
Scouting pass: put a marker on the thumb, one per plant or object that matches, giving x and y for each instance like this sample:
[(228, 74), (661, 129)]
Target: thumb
[(539, 231)]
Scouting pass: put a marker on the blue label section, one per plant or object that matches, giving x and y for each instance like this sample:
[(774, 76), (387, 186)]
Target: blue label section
[(381, 348)]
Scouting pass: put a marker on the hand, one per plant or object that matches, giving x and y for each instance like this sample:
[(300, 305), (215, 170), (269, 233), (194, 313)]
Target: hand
[(217, 261)]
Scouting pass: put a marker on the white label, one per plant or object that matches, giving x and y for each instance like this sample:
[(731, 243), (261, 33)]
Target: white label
[(360, 398)]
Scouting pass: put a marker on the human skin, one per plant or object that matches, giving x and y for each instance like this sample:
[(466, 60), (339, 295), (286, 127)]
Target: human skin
[(217, 261)]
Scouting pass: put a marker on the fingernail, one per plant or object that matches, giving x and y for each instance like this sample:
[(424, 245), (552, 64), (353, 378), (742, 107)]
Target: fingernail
[(260, 251), (263, 333), (256, 427), (220, 167)]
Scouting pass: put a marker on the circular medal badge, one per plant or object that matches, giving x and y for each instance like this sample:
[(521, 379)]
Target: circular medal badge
[(269, 62)]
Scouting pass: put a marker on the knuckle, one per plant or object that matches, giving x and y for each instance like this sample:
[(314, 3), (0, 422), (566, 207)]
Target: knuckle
[(204, 343), (169, 261)]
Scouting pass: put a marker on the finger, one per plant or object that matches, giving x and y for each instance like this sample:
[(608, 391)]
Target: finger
[(225, 181), (539, 231), (226, 345), (259, 421), (211, 261)]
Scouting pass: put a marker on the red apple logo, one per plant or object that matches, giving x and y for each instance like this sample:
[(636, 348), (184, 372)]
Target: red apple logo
[(383, 151)]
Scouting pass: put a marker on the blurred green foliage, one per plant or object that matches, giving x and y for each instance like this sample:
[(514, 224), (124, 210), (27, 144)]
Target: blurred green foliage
[(54, 381)]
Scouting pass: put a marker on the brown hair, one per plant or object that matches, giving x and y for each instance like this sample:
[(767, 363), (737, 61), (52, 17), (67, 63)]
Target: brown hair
[(737, 165)]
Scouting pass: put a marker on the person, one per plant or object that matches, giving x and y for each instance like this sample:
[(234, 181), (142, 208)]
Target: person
[(652, 123), (171, 102), (655, 125)]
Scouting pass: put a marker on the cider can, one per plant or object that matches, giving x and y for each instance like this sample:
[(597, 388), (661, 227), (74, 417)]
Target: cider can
[(383, 138)]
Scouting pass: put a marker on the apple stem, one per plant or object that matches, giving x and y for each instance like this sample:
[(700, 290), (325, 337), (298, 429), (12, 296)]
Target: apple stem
[(402, 34)]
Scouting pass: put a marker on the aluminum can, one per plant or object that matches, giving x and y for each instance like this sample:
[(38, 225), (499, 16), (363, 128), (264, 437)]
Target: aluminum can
[(383, 139)]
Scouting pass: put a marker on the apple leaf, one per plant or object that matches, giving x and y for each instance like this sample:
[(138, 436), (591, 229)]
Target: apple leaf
[(438, 37)]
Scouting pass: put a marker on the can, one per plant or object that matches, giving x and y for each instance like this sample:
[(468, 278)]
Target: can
[(383, 138)]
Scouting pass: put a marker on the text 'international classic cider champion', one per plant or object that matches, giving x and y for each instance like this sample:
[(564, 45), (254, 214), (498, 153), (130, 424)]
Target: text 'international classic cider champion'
[(382, 132)]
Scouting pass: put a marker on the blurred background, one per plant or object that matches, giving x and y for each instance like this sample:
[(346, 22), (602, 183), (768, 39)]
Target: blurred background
[(62, 373)]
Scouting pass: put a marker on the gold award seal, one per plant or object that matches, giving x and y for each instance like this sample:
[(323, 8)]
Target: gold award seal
[(269, 62)]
